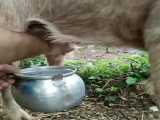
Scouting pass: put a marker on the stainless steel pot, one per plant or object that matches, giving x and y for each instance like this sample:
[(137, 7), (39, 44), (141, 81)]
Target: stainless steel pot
[(49, 89)]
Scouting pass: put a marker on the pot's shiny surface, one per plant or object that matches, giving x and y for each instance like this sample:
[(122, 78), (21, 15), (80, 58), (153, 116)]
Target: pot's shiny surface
[(49, 89)]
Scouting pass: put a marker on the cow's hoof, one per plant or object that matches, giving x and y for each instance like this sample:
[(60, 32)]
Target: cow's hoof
[(17, 114)]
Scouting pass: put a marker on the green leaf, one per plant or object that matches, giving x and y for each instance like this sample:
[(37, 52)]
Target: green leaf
[(99, 90), (115, 89), (131, 81), (111, 99)]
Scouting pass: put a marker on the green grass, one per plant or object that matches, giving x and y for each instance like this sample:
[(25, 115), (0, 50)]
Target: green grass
[(129, 65), (36, 61)]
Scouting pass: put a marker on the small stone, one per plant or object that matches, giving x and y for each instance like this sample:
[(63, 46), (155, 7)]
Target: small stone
[(154, 109)]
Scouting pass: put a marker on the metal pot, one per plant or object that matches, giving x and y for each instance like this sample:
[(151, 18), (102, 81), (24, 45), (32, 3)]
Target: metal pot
[(49, 89)]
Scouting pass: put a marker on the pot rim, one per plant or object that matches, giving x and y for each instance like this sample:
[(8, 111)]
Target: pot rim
[(65, 72)]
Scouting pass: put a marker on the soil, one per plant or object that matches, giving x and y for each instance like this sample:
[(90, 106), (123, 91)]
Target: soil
[(91, 109), (133, 106)]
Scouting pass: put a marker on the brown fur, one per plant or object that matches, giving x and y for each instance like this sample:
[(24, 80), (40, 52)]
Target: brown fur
[(122, 21), (134, 23)]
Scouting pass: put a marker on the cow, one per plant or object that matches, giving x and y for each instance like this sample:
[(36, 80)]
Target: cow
[(132, 23)]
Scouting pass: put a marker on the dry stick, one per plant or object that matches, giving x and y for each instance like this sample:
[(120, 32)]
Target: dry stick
[(108, 117), (142, 118), (124, 115), (106, 84)]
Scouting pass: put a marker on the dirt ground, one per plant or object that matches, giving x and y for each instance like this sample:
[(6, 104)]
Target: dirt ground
[(136, 106), (90, 109), (98, 52), (134, 109)]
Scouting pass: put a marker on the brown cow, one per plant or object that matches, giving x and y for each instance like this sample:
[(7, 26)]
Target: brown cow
[(134, 23)]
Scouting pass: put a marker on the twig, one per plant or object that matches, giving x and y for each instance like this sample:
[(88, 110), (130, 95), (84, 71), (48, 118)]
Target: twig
[(109, 117), (106, 84), (142, 118), (140, 94), (123, 98), (124, 115)]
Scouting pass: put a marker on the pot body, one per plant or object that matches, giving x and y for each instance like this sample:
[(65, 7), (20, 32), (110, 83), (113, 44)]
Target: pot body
[(50, 95)]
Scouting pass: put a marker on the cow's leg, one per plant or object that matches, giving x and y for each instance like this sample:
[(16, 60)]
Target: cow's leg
[(11, 108), (153, 84), (152, 41)]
